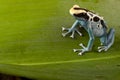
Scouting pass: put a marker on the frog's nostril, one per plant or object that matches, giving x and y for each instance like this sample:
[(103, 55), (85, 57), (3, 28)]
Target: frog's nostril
[(98, 25), (91, 19)]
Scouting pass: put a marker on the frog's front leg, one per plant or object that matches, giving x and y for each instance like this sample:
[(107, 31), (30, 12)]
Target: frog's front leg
[(107, 40), (72, 30), (90, 42)]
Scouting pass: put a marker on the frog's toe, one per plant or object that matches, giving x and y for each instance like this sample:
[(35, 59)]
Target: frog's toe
[(78, 32), (63, 34), (65, 29), (102, 48), (72, 36), (76, 50), (80, 54), (82, 45)]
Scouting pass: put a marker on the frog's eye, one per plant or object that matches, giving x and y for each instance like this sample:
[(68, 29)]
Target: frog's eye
[(82, 15), (96, 19), (77, 8)]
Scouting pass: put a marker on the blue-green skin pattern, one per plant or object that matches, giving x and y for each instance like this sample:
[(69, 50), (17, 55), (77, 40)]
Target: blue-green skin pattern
[(106, 39)]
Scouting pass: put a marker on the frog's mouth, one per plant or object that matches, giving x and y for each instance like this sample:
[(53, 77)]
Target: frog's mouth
[(76, 10)]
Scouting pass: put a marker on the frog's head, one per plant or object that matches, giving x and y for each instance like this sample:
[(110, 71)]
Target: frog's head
[(78, 12)]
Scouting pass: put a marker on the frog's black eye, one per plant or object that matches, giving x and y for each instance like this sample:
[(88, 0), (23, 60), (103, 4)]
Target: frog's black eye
[(82, 15), (96, 19), (79, 15)]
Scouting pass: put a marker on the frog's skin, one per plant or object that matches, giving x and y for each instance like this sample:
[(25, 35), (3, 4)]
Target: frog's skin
[(94, 25)]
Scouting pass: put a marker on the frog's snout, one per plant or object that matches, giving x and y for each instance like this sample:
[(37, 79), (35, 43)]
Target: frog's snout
[(76, 10), (76, 6)]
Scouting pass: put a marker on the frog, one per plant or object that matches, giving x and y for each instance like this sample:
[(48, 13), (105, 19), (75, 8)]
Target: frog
[(94, 25)]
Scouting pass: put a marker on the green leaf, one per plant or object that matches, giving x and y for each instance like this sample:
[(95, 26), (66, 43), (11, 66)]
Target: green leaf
[(31, 44)]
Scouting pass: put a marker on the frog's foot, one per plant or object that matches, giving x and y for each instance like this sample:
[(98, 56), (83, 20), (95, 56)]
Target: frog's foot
[(102, 48), (65, 29), (81, 51), (70, 31)]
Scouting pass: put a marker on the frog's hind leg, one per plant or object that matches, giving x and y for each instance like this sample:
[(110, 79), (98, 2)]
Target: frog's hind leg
[(110, 37), (107, 41)]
